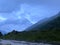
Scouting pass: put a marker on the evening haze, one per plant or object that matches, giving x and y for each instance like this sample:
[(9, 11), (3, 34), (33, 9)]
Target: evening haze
[(20, 14)]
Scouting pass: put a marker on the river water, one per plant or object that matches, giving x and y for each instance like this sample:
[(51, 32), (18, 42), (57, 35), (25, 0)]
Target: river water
[(13, 42)]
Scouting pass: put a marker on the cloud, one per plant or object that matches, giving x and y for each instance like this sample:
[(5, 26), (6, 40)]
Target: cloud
[(34, 13), (8, 6), (2, 19), (20, 14), (18, 25)]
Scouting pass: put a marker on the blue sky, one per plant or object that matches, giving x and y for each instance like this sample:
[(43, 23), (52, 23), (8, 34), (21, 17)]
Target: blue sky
[(20, 14)]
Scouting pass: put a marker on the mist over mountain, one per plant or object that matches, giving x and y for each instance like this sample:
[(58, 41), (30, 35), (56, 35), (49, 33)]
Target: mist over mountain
[(48, 23), (17, 24)]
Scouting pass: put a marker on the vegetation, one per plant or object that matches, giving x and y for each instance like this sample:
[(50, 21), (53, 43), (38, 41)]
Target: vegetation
[(48, 35), (1, 34)]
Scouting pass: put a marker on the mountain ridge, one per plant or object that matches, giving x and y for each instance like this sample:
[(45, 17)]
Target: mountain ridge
[(42, 22)]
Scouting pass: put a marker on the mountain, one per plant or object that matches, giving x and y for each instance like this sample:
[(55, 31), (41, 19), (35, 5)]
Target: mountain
[(49, 23), (48, 30)]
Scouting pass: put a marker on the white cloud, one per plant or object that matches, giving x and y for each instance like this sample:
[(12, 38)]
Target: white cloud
[(2, 19), (32, 13), (23, 12)]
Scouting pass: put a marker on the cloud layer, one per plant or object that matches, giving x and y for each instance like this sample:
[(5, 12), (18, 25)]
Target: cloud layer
[(20, 14)]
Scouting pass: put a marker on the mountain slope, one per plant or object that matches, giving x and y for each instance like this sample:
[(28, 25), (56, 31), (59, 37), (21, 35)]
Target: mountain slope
[(49, 23)]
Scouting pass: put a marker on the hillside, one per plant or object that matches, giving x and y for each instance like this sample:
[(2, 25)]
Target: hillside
[(48, 23), (47, 31), (1, 34)]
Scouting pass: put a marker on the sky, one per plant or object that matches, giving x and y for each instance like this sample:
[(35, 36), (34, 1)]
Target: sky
[(20, 14)]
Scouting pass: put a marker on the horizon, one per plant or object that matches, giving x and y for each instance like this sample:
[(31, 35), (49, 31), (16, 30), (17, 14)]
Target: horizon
[(20, 14)]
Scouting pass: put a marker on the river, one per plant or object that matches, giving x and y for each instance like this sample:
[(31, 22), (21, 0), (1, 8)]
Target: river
[(14, 42)]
